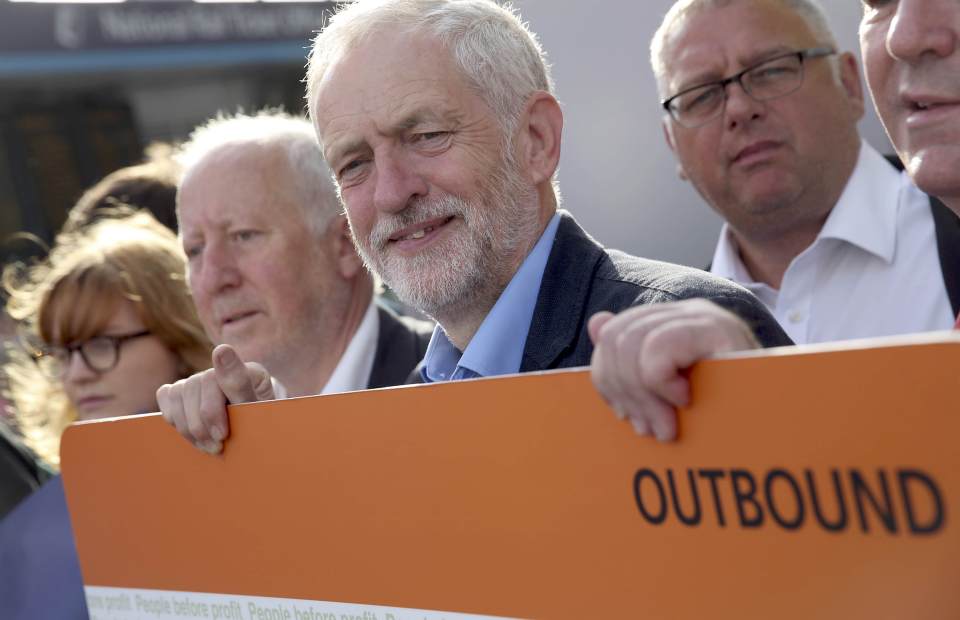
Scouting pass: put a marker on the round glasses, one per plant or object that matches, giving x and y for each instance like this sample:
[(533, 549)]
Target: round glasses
[(100, 354), (772, 78)]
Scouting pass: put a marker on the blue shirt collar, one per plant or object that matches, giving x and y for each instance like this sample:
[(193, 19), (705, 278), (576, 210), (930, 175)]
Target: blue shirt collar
[(497, 347)]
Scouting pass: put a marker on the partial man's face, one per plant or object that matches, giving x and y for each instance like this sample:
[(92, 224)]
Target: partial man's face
[(758, 158), (911, 53), (434, 205), (258, 275)]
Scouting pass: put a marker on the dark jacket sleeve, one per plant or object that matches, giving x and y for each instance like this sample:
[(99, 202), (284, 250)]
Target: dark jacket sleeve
[(20, 474), (662, 282), (766, 329)]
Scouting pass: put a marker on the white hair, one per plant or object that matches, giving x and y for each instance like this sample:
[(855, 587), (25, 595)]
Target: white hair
[(809, 10), (493, 49), (292, 135)]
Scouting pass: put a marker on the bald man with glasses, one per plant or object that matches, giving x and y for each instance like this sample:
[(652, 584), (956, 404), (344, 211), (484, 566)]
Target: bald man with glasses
[(761, 111)]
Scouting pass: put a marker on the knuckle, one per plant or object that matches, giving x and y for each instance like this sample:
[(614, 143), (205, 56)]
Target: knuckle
[(603, 373), (195, 429), (622, 340), (231, 380), (209, 412), (601, 381), (596, 370), (656, 363)]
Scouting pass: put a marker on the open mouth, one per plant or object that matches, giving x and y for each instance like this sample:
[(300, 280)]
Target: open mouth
[(420, 231), (918, 102), (919, 106), (924, 114)]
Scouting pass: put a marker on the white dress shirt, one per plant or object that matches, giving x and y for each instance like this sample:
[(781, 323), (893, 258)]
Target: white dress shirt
[(872, 271), (353, 370)]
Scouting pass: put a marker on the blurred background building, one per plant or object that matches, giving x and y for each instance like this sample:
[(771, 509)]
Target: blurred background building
[(85, 86)]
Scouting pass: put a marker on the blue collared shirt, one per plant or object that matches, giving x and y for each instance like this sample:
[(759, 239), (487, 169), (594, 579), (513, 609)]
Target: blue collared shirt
[(497, 347)]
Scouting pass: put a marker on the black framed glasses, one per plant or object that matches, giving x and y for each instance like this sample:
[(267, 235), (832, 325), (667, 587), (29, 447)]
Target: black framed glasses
[(770, 79), (100, 353)]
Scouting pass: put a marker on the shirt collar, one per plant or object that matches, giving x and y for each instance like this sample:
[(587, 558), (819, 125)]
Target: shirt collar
[(727, 264), (866, 214), (353, 370), (726, 259), (497, 347)]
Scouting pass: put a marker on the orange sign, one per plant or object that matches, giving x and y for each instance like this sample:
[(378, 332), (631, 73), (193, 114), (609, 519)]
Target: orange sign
[(806, 483)]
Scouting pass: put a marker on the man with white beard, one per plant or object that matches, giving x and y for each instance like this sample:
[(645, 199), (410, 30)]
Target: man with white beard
[(438, 120)]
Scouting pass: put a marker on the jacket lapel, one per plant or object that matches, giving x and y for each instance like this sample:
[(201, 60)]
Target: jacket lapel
[(561, 303)]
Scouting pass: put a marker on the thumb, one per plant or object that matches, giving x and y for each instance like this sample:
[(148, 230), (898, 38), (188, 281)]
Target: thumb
[(240, 383), (596, 323), (261, 381)]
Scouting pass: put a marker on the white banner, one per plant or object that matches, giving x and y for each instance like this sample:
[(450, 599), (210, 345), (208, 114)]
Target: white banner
[(132, 604)]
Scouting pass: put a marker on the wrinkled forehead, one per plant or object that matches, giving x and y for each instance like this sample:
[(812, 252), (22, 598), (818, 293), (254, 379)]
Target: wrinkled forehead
[(243, 162), (241, 180), (380, 81), (712, 42), (239, 155)]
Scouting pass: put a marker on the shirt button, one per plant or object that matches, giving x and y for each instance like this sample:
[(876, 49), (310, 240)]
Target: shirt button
[(795, 317)]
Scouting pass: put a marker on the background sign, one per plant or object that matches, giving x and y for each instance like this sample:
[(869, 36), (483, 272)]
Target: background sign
[(810, 483), (47, 27)]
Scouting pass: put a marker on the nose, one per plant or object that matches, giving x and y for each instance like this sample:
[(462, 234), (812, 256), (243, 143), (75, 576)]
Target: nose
[(397, 180), (76, 370), (740, 108), (216, 272), (923, 28)]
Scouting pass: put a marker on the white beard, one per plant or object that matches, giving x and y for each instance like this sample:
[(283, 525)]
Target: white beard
[(471, 268)]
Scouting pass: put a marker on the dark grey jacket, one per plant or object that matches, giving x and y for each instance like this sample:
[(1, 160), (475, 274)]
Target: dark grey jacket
[(401, 343), (582, 278)]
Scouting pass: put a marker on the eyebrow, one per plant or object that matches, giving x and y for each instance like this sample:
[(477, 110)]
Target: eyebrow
[(755, 58), (425, 114), (767, 54), (339, 151), (409, 120)]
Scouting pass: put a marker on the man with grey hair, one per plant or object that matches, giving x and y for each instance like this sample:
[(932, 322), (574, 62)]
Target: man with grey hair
[(438, 121), (761, 111), (274, 273)]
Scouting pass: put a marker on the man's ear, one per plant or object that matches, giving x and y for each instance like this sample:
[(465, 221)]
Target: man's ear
[(668, 136), (541, 130), (345, 254), (852, 85)]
